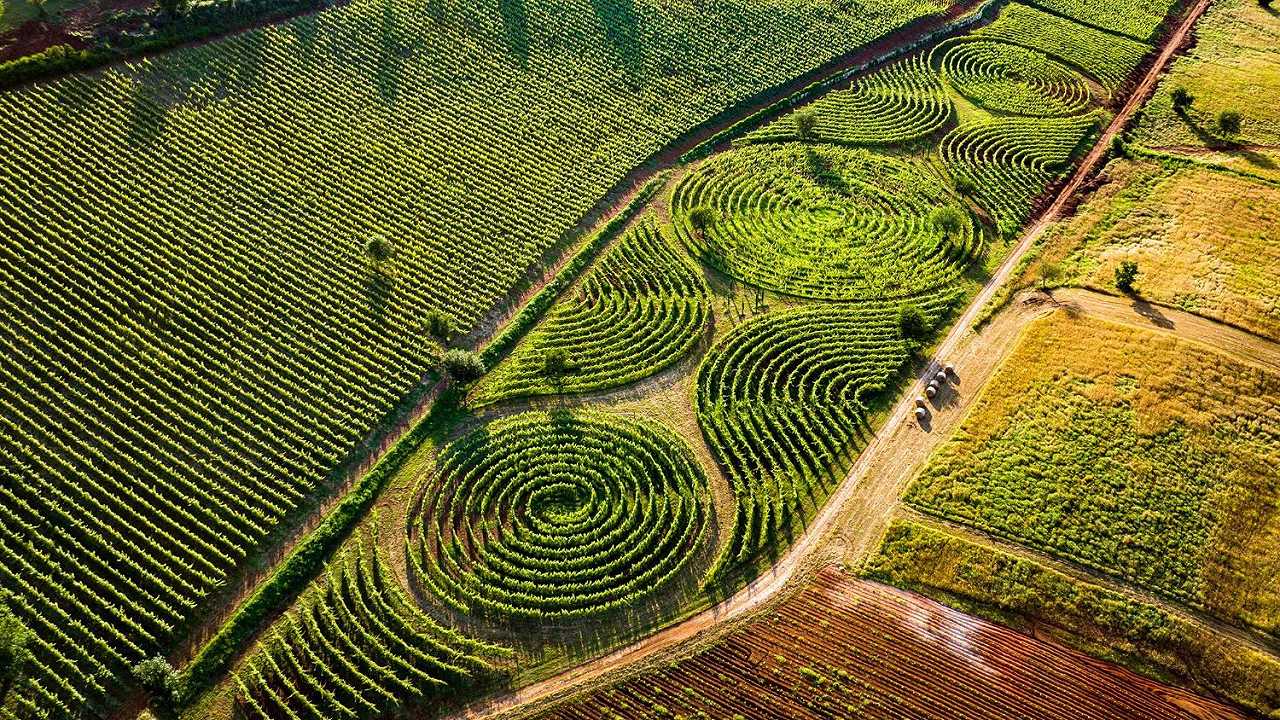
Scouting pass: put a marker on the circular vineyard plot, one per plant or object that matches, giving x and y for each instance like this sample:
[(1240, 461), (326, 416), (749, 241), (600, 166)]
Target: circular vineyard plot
[(559, 515), (1013, 79), (823, 221)]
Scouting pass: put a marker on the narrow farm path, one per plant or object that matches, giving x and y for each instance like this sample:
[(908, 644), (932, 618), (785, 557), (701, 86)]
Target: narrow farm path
[(858, 511), (1257, 640)]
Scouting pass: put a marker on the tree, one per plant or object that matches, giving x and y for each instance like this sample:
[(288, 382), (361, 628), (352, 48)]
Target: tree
[(378, 249), (948, 218), (702, 217), (462, 365), (556, 365), (1049, 273), (438, 324), (912, 322), (14, 650), (1182, 99), (1126, 273), (1229, 123), (161, 682), (965, 186), (806, 122)]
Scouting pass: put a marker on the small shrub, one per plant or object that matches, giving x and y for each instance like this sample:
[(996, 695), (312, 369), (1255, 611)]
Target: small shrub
[(463, 365), (965, 186), (438, 324), (806, 122), (1229, 122), (1182, 99), (14, 652), (912, 322), (1126, 273), (556, 363)]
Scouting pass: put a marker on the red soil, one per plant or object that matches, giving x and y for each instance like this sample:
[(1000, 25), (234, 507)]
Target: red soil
[(848, 647)]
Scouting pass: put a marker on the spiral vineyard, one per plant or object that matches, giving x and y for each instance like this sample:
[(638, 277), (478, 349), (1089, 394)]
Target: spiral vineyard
[(1011, 161), (1137, 19), (783, 403), (898, 104), (561, 515), (1012, 79), (822, 221), (1108, 58), (640, 309), (357, 648)]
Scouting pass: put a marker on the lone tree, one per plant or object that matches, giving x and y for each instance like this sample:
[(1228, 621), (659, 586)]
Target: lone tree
[(912, 322), (557, 365), (1182, 99), (14, 652), (438, 324), (1049, 273), (702, 217), (948, 218), (162, 683), (806, 122), (379, 250), (965, 186), (462, 365), (1126, 273), (1229, 123)]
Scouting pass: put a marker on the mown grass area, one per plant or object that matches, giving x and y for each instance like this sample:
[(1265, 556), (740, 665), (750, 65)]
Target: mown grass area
[(1015, 590), (1205, 241), (1234, 65), (1145, 457)]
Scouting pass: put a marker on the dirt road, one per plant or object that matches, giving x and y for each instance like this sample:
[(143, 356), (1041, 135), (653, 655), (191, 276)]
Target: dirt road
[(864, 501)]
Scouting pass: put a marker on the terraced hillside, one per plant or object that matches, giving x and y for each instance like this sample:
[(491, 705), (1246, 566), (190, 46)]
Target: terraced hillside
[(218, 263)]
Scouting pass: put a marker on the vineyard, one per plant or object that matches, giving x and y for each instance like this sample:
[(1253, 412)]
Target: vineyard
[(1006, 78), (1137, 455), (218, 263), (640, 309), (822, 222), (359, 648), (559, 516), (1138, 20), (850, 648)]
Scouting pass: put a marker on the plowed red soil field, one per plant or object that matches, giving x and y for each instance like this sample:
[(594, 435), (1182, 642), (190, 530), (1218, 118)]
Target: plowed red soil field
[(851, 648)]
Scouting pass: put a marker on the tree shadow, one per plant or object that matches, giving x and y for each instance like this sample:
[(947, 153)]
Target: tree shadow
[(818, 168), (378, 288), (621, 26), (396, 46), (515, 28), (1151, 313)]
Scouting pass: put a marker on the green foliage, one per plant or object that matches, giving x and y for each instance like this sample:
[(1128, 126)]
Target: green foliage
[(783, 403), (902, 102), (822, 222), (379, 249), (638, 310), (556, 363), (14, 650), (913, 324), (438, 324), (462, 365), (1049, 274), (1229, 123), (1182, 99), (160, 681), (701, 218), (558, 516), (950, 219), (1010, 78), (1011, 161), (1135, 18), (1126, 274), (357, 647)]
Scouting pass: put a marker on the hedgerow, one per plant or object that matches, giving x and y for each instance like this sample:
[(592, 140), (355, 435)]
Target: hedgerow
[(562, 515)]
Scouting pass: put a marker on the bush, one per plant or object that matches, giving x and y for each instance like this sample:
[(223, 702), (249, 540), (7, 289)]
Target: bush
[(912, 322), (805, 122), (556, 363), (965, 186), (1049, 273), (1182, 99), (702, 217), (13, 649), (463, 365), (1229, 122), (438, 324), (161, 682), (949, 219), (378, 249), (1126, 273)]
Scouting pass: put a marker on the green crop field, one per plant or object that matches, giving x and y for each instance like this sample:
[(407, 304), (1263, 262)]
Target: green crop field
[(368, 362), (1138, 455)]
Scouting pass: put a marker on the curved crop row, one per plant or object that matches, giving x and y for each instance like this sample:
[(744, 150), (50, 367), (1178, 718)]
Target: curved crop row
[(897, 104), (558, 515), (1011, 161), (782, 402), (357, 648), (640, 309), (1012, 79), (1107, 57), (1136, 18), (821, 221)]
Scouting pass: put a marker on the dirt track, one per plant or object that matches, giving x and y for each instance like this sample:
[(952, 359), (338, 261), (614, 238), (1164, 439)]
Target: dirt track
[(855, 516)]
